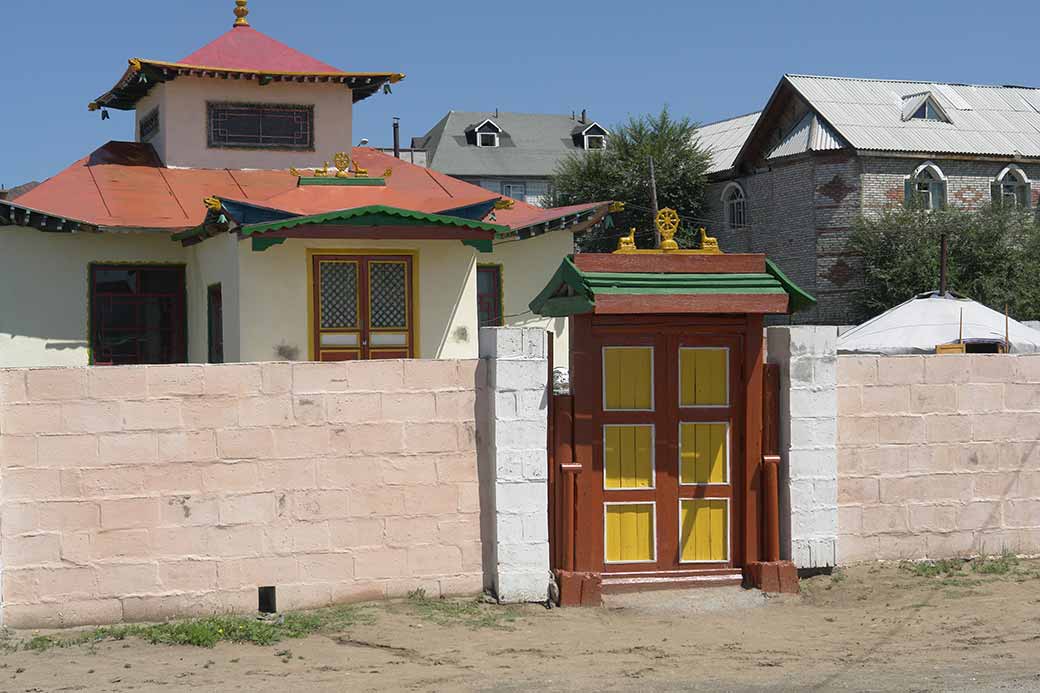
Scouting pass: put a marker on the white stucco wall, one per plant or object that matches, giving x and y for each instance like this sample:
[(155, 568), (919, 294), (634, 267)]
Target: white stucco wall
[(214, 261), (274, 288), (527, 266), (44, 293), (182, 139)]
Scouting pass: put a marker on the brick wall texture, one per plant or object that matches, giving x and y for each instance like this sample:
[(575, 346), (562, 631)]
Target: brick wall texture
[(140, 493), (938, 456), (800, 211)]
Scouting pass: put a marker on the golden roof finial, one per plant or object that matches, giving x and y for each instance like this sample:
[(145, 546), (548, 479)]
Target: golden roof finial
[(241, 11)]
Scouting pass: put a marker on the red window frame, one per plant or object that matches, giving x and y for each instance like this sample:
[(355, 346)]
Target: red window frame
[(490, 304), (174, 342)]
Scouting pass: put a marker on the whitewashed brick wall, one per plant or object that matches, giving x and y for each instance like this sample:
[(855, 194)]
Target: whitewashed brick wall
[(514, 475), (807, 357)]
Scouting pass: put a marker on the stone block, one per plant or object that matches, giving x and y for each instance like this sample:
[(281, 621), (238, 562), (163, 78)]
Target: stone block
[(31, 484), (931, 398), (857, 430), (376, 376), (523, 586), (455, 468), (257, 571), (276, 378), (190, 510), (127, 579), (71, 451), (900, 370), (31, 549), (248, 509), (431, 500), (412, 470), (432, 374), (19, 419), (1005, 426), (854, 548), (431, 437), (991, 368), (981, 397), (981, 515), (501, 343), (852, 491), (69, 614), (380, 563), (187, 446), (434, 560), (857, 370), (265, 411), (942, 428), (302, 441), (525, 497), (118, 382), (324, 504), (56, 384), (946, 369), (1022, 396), (174, 381), (241, 540), (850, 401), (188, 575), (455, 405), (234, 379), (127, 448), (354, 407), (357, 532), (91, 417), (518, 375), (327, 567), (409, 406), (901, 429), (373, 438), (280, 475), (230, 477), (209, 412), (126, 513), (933, 518), (12, 386), (1027, 368), (62, 515), (1022, 513), (156, 414), (17, 451), (813, 403), (320, 377), (245, 444), (950, 545)]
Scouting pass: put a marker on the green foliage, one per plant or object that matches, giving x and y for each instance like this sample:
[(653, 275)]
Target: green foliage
[(207, 632), (466, 612), (994, 257), (933, 568), (995, 565), (621, 173)]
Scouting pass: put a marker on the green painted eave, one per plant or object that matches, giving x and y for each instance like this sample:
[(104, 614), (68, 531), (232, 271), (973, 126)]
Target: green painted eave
[(372, 215), (572, 292)]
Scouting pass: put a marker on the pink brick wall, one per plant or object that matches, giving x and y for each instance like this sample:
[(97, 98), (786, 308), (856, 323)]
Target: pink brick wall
[(140, 493), (938, 456)]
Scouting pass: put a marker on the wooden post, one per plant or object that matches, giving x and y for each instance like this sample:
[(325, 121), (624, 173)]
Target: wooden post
[(771, 506)]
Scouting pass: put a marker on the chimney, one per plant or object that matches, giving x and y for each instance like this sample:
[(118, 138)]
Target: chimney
[(397, 137), (584, 116), (496, 111), (3, 192)]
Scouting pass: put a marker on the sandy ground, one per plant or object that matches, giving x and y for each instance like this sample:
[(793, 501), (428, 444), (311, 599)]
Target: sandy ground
[(870, 628)]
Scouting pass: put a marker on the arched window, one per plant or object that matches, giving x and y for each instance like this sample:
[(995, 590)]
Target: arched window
[(734, 205), (926, 188), (1012, 188)]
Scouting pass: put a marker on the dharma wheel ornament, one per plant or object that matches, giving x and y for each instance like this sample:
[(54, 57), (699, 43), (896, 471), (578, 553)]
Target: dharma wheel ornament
[(667, 223)]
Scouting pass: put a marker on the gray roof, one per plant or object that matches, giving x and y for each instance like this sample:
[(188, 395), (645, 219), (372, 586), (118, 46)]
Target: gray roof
[(984, 120), (810, 135), (531, 144), (725, 138)]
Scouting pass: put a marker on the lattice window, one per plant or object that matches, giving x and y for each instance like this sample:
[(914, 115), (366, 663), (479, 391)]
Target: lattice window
[(149, 126), (339, 291), (261, 126), (388, 289)]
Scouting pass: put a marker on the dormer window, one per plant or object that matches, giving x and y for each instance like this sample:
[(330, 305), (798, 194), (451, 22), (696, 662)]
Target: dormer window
[(923, 106), (485, 134), (590, 136), (1012, 188)]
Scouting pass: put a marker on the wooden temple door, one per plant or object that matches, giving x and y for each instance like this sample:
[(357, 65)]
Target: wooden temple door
[(659, 505), (363, 307)]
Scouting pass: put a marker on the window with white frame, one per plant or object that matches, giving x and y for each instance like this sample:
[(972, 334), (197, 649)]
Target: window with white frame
[(926, 111), (734, 203), (515, 190), (595, 142), (926, 188), (1012, 188), (487, 139)]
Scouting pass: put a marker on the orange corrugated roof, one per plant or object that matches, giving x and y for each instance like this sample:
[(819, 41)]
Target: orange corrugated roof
[(124, 185)]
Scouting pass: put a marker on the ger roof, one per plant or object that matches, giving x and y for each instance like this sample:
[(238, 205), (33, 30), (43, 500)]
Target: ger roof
[(123, 185), (530, 145)]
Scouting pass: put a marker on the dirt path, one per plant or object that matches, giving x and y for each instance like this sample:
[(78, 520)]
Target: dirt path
[(871, 628)]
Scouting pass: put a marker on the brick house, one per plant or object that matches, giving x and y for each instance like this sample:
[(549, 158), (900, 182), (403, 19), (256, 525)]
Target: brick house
[(790, 180)]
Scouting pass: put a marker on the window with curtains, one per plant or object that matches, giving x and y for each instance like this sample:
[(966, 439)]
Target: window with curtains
[(926, 188), (1011, 189)]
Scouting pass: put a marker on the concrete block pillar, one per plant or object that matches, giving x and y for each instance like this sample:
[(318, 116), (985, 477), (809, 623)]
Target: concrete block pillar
[(808, 360), (514, 465)]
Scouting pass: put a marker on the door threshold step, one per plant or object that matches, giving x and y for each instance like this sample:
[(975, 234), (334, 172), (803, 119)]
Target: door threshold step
[(631, 583)]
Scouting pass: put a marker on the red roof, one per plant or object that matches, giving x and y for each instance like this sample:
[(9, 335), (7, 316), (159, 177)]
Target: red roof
[(245, 48), (124, 185)]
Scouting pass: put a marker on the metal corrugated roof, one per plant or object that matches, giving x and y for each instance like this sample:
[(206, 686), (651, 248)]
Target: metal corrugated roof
[(984, 120), (725, 138), (810, 134)]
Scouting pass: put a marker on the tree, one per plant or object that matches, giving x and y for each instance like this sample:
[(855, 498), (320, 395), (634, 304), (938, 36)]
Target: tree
[(993, 257), (621, 173)]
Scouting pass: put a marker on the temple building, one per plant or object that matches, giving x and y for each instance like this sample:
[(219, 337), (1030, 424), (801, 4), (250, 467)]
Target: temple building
[(240, 225)]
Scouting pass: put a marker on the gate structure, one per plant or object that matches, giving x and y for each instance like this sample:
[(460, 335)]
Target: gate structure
[(658, 454)]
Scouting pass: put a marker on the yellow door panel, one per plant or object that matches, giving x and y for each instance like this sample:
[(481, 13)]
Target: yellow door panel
[(704, 534), (703, 377), (629, 532), (703, 453), (628, 374), (628, 456)]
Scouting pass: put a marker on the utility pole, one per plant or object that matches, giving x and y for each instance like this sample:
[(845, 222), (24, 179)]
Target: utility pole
[(653, 204), (942, 264)]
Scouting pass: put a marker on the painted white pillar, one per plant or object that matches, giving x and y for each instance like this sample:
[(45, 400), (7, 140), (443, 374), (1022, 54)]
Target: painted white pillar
[(514, 469), (808, 360)]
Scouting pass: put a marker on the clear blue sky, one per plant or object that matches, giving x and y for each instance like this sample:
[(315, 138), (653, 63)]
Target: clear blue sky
[(708, 60)]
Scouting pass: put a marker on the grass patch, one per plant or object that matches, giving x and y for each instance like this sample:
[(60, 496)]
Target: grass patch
[(207, 632), (469, 613), (995, 565), (929, 569)]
